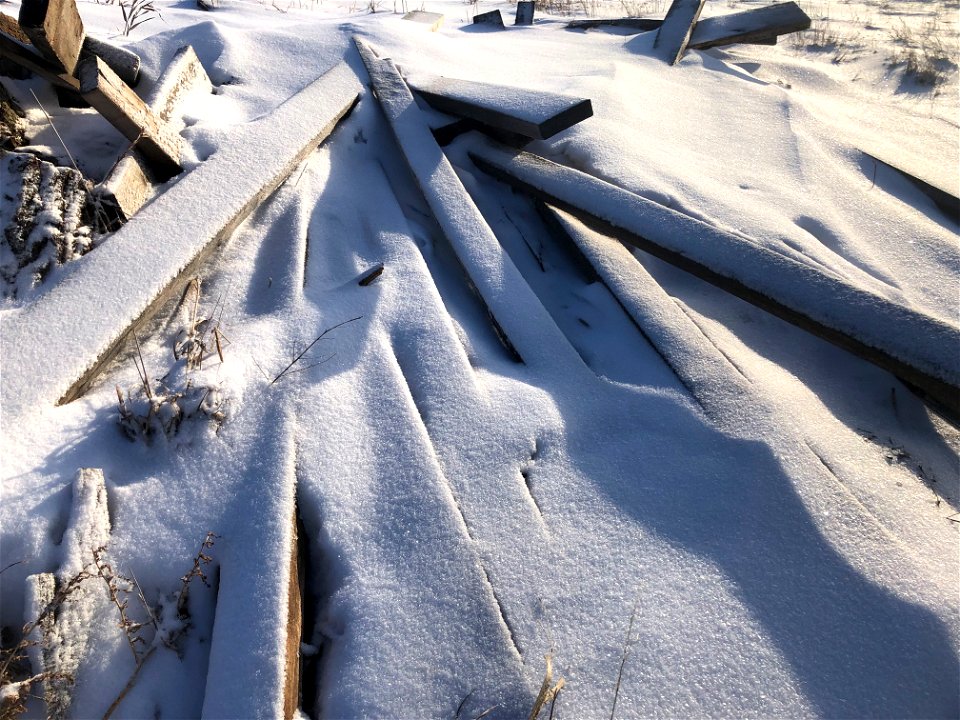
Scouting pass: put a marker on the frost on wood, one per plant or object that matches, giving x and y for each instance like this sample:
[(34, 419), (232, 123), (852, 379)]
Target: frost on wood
[(44, 219), (89, 527)]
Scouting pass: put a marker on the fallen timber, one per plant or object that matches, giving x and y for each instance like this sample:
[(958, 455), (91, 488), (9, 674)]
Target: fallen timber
[(674, 35), (751, 26), (55, 29), (944, 199), (151, 258), (532, 114), (498, 283), (129, 184), (918, 348)]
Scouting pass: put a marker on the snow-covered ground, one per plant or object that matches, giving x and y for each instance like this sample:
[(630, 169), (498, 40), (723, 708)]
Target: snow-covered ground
[(776, 537)]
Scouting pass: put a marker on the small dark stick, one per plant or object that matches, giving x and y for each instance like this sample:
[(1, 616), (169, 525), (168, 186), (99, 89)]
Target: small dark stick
[(370, 276)]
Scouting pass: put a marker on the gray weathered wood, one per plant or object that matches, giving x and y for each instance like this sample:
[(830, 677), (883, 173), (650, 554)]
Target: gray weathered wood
[(531, 113), (751, 26), (489, 18), (124, 109), (918, 348), (39, 594), (130, 183), (55, 29), (636, 23), (674, 34), (524, 14), (433, 21), (149, 261), (292, 679)]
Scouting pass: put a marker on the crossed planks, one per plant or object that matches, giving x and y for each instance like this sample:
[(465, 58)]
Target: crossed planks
[(140, 271), (760, 26), (918, 348)]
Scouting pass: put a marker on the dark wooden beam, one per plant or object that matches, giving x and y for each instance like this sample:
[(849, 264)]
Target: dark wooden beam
[(489, 18), (634, 23), (751, 26), (55, 29), (524, 14), (544, 114), (26, 58), (918, 348), (674, 34)]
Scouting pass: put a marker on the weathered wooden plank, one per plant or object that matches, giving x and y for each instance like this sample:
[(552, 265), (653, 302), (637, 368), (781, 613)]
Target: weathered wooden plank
[(943, 198), (40, 591), (635, 23), (531, 113), (432, 20), (10, 26), (751, 26), (292, 679), (534, 340), (149, 261), (124, 109), (524, 14), (55, 29), (489, 18), (24, 57), (674, 33), (130, 184), (918, 348)]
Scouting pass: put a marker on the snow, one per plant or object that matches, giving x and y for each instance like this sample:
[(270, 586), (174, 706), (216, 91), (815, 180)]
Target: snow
[(769, 512)]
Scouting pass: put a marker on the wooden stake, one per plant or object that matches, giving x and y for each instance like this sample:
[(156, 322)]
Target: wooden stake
[(674, 34)]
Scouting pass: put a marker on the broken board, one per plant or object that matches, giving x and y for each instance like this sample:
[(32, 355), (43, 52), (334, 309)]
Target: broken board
[(531, 113), (918, 348), (489, 18), (148, 261)]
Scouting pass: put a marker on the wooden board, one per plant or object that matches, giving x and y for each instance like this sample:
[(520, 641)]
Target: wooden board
[(635, 23), (433, 21), (130, 184), (918, 348), (123, 108), (24, 57), (544, 114), (674, 34), (751, 26), (149, 261), (55, 29), (524, 14), (292, 679), (489, 18), (943, 198), (124, 63)]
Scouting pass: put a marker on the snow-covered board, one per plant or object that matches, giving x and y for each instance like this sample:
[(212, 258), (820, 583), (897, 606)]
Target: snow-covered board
[(917, 347), (531, 113), (750, 26), (147, 260), (674, 34)]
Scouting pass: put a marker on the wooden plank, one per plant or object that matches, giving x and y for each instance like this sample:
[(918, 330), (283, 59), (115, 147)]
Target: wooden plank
[(26, 58), (433, 21), (292, 679), (489, 18), (634, 23), (918, 348), (674, 34), (534, 339), (524, 14), (10, 26), (149, 261), (124, 109), (531, 113), (751, 26), (130, 184), (55, 29), (943, 198)]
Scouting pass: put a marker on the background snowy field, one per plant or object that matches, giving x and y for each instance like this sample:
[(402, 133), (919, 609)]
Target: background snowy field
[(782, 545)]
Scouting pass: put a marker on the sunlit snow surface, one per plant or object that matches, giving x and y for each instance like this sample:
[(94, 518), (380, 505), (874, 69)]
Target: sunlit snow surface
[(466, 514)]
